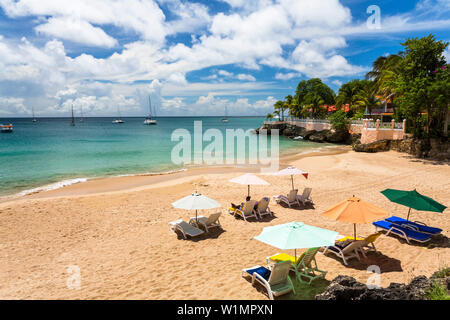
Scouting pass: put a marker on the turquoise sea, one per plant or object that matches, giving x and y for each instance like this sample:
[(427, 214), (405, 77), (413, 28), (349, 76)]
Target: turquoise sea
[(50, 150)]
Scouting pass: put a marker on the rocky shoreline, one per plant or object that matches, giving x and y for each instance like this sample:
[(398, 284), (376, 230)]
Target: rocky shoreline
[(437, 149), (347, 288), (296, 132)]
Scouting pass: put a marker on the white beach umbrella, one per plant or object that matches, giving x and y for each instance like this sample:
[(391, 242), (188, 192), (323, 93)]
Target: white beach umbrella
[(291, 171), (195, 201), (249, 179)]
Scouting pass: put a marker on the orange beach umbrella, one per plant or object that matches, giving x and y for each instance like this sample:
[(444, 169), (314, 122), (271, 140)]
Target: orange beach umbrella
[(355, 210)]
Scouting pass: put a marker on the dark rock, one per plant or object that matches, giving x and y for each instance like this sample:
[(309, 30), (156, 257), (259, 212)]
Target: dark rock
[(337, 136), (347, 288), (308, 134), (319, 136), (377, 146), (288, 132)]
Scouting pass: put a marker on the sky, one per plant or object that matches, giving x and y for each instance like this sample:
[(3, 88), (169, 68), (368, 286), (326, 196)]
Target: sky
[(193, 57)]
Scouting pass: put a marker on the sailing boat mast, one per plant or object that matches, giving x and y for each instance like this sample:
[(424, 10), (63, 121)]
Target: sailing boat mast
[(81, 119), (72, 123), (149, 120), (34, 118), (118, 120), (225, 119)]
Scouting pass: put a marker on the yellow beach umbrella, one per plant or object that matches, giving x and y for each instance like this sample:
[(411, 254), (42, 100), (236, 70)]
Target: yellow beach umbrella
[(355, 210)]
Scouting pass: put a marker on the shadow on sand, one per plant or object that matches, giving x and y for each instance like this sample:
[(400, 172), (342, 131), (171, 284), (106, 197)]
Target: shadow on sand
[(303, 291), (386, 263)]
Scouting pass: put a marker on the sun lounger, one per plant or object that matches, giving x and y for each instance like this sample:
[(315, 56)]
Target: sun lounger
[(414, 225), (290, 199), (369, 241), (305, 267), (403, 232), (185, 228), (207, 222), (305, 197), (276, 281), (248, 211), (346, 251), (262, 208)]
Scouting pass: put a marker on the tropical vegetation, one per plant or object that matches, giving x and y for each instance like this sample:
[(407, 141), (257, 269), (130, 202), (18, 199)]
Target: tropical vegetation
[(414, 82)]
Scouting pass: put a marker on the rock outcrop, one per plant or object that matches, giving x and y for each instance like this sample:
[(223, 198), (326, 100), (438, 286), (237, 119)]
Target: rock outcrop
[(437, 149), (347, 288), (377, 146), (292, 131)]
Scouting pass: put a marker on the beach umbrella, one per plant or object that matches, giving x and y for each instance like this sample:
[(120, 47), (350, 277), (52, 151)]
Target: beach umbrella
[(296, 235), (355, 210), (291, 171), (413, 200), (196, 201), (249, 179)]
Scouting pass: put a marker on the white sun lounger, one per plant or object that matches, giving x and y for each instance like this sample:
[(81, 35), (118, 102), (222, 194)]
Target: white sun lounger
[(185, 228), (276, 281), (207, 222), (248, 211), (290, 200), (262, 208), (348, 252), (305, 197)]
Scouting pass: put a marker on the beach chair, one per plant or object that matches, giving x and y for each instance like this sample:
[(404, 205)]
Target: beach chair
[(262, 208), (369, 241), (346, 251), (305, 266), (207, 222), (405, 233), (185, 228), (290, 199), (305, 197), (248, 210), (276, 281), (414, 225)]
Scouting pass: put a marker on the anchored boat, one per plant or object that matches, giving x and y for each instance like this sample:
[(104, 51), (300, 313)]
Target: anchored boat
[(8, 128), (150, 119)]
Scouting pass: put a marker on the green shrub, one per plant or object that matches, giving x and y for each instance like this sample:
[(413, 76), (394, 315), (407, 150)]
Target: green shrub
[(339, 120), (437, 292)]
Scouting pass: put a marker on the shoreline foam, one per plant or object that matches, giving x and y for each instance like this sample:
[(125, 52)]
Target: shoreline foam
[(287, 156)]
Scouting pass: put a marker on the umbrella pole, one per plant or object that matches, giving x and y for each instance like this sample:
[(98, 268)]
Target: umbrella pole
[(354, 230), (407, 219), (196, 219), (292, 179), (249, 190)]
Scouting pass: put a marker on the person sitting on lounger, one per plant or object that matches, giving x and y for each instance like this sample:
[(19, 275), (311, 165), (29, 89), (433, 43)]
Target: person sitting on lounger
[(234, 206)]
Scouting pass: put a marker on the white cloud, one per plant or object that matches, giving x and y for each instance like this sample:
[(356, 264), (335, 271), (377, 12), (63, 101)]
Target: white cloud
[(80, 31), (10, 106), (287, 76), (303, 38)]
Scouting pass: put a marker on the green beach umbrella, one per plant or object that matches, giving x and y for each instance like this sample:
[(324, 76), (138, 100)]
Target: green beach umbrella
[(296, 235), (413, 200)]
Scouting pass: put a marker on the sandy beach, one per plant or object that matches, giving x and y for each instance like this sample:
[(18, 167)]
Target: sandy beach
[(116, 230)]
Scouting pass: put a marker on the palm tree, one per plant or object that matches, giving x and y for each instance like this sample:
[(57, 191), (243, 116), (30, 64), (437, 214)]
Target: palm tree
[(384, 73), (280, 107), (316, 101), (368, 99)]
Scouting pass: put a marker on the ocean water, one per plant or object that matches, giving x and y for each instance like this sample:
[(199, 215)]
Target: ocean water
[(51, 151)]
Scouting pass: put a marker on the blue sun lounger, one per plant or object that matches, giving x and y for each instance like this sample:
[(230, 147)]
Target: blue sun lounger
[(415, 225), (403, 232)]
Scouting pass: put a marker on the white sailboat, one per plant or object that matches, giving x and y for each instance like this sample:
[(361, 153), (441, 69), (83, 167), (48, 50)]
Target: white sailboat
[(81, 119), (118, 120), (34, 118), (72, 123), (150, 120), (225, 119)]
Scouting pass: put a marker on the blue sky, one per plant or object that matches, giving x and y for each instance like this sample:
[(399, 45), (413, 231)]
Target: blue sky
[(192, 57)]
